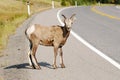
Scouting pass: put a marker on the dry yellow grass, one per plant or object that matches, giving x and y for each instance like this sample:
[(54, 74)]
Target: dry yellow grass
[(10, 11)]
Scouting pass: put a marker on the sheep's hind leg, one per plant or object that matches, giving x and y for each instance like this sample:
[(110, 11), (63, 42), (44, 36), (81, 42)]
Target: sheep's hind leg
[(30, 56), (34, 57), (30, 60)]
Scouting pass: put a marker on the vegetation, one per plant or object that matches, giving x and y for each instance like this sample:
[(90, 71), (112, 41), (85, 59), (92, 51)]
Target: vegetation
[(11, 13), (88, 2)]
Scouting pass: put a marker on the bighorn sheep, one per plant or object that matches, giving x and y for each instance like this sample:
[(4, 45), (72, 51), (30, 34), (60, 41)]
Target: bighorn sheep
[(55, 36)]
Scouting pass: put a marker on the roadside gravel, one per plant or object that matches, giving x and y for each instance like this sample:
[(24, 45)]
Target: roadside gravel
[(11, 63)]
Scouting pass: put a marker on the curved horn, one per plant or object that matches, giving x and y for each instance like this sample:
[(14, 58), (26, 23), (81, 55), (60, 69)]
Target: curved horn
[(72, 16), (64, 16)]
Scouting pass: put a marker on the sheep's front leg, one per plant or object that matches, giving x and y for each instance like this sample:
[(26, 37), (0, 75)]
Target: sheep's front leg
[(61, 59), (55, 56)]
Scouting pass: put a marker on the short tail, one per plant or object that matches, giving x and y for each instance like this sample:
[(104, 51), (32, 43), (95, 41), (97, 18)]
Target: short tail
[(26, 34)]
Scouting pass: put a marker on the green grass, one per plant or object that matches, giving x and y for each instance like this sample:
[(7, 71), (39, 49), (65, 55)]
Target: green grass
[(14, 12)]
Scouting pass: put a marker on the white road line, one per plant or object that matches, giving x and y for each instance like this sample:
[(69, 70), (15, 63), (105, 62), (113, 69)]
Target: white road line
[(118, 7), (113, 62)]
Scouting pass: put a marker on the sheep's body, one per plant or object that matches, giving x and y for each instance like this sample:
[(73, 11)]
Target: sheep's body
[(52, 35), (55, 36)]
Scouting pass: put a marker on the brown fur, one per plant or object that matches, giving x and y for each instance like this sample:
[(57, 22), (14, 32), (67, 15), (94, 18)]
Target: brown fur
[(52, 35), (55, 36)]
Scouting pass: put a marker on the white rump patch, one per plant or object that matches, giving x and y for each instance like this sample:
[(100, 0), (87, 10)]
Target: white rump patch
[(30, 30)]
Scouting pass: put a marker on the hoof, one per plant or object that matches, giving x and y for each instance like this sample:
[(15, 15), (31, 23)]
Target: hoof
[(32, 66), (54, 66), (38, 67), (35, 67), (62, 66)]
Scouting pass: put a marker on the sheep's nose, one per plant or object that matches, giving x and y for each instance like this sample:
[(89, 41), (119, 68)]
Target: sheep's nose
[(69, 29)]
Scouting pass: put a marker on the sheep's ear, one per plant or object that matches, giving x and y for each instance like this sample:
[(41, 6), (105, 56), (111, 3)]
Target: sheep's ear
[(73, 18), (64, 16)]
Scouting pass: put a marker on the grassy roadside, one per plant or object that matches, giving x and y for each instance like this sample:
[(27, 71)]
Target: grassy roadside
[(11, 14), (14, 12)]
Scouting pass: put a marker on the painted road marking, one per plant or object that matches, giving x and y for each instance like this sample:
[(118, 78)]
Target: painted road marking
[(104, 14), (116, 64)]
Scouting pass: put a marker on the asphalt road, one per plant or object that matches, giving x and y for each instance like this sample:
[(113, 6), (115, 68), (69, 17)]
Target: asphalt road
[(81, 62), (100, 31)]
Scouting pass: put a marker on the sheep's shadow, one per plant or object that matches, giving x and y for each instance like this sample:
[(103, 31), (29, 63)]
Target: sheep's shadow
[(26, 66)]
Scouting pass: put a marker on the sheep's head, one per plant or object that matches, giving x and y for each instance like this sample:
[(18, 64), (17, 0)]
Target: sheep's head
[(68, 21)]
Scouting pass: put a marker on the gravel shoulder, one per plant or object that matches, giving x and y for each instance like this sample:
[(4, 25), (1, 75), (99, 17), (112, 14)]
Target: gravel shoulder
[(12, 63)]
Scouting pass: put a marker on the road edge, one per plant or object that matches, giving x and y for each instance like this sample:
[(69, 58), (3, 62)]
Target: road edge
[(79, 38)]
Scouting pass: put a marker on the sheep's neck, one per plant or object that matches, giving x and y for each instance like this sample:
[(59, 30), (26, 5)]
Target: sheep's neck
[(65, 32)]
